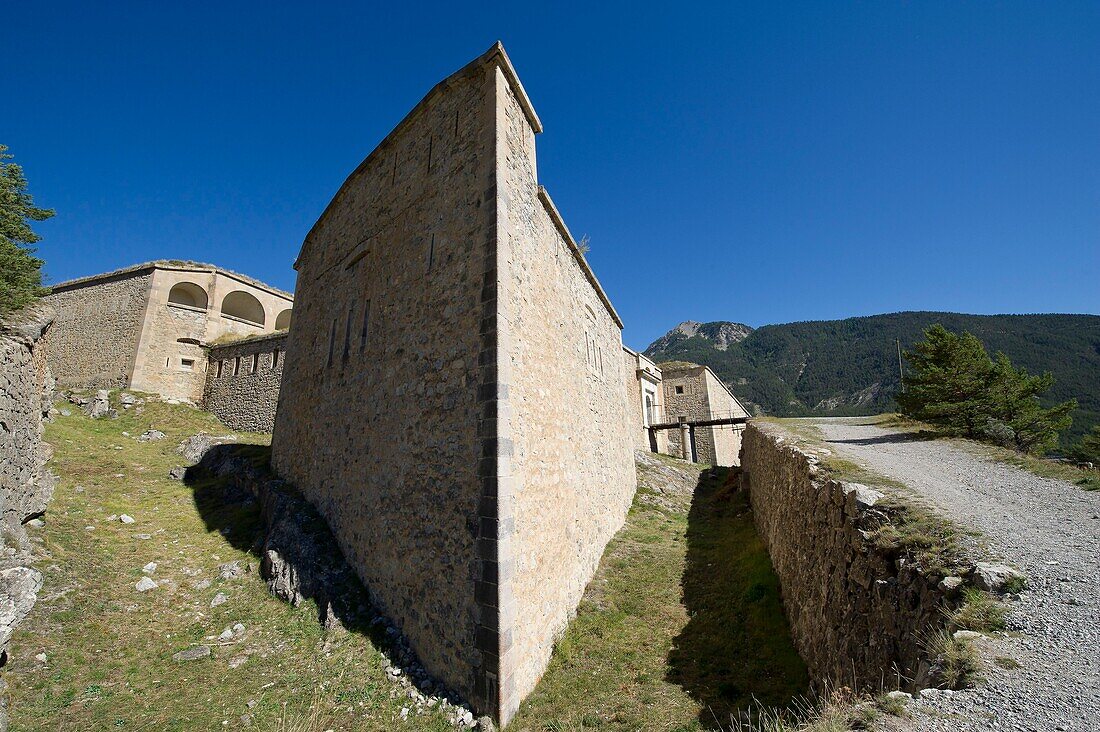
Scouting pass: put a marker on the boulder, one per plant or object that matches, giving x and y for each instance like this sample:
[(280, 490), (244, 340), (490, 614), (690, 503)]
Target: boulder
[(994, 577), (19, 588), (99, 407), (151, 435), (195, 447)]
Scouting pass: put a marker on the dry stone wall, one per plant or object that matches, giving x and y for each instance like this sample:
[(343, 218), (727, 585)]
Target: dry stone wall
[(857, 614), (94, 339), (243, 380)]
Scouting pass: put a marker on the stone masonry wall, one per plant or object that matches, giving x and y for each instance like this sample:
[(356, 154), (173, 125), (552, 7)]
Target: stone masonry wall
[(26, 486), (389, 388), (571, 476), (93, 342), (725, 439), (857, 616), (693, 403), (242, 382)]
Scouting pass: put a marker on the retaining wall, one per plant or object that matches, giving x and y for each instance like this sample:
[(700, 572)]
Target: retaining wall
[(857, 614)]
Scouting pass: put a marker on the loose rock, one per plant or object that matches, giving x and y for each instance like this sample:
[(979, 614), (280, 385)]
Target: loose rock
[(192, 654)]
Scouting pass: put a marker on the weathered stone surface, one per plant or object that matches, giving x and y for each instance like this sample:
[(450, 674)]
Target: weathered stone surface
[(856, 613), (100, 406), (151, 436), (145, 584), (195, 446), (452, 401), (192, 654), (19, 588), (243, 380), (994, 577)]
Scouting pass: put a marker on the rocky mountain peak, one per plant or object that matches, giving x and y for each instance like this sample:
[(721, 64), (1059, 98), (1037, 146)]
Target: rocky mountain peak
[(721, 333)]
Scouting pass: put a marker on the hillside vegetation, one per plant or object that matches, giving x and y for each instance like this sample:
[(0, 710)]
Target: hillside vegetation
[(850, 367)]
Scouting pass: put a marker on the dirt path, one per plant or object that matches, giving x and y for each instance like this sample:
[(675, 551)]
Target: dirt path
[(1049, 529)]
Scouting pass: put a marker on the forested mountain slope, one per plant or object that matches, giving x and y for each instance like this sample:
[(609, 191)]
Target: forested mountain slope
[(850, 367)]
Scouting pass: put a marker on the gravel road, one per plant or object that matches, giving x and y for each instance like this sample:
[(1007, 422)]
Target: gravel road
[(1047, 528)]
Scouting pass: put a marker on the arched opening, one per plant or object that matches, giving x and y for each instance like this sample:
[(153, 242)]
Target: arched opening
[(243, 306), (188, 294), (282, 320)]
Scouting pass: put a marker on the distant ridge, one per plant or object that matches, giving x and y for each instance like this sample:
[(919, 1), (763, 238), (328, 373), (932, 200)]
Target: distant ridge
[(849, 367)]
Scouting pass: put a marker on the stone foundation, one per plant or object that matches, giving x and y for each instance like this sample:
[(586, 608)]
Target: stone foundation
[(242, 382)]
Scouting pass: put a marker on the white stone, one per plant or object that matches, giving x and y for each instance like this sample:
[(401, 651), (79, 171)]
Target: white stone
[(149, 568), (126, 519), (145, 584)]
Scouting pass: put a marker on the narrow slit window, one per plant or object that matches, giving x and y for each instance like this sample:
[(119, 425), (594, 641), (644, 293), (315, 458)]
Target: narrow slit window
[(167, 362), (366, 327), (275, 359), (347, 330), (431, 253), (237, 366), (331, 341), (219, 374), (253, 362)]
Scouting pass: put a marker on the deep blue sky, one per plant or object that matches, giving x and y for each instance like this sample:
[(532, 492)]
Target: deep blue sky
[(729, 161)]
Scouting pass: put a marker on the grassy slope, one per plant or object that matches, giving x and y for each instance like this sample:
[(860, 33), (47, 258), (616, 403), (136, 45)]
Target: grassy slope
[(109, 647), (681, 625)]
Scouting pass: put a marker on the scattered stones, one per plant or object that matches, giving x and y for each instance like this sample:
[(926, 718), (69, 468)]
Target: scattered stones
[(36, 523), (66, 412), (900, 696), (145, 584), (126, 519), (40, 657), (238, 661), (966, 635), (177, 473), (99, 407), (233, 570), (151, 436), (951, 584), (126, 399), (219, 599), (192, 654), (202, 584), (149, 568), (143, 537)]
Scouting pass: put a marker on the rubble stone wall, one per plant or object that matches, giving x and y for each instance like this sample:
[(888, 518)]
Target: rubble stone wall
[(857, 615), (243, 380), (93, 341)]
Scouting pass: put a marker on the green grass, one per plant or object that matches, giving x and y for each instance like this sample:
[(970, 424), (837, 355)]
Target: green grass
[(681, 626), (980, 612), (109, 647)]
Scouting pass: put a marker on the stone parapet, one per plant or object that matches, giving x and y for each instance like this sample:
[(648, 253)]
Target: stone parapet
[(243, 380), (858, 613)]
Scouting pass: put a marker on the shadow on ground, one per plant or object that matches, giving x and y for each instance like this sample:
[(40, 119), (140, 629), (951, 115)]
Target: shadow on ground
[(735, 653), (298, 556), (889, 438)]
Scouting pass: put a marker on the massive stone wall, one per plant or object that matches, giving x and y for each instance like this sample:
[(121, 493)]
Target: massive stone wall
[(26, 486), (453, 400), (389, 390), (857, 614), (570, 478), (242, 382), (94, 339)]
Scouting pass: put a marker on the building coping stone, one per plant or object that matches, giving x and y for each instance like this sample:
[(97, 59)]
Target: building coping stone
[(179, 265)]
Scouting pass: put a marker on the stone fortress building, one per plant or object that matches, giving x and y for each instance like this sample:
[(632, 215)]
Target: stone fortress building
[(145, 327), (459, 404)]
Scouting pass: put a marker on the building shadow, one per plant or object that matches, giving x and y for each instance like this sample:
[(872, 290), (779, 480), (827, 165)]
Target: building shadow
[(889, 438), (735, 654), (298, 556)]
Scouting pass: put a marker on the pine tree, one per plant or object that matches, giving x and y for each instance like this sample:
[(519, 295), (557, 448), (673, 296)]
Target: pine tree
[(955, 385), (1088, 449), (1015, 418), (20, 270), (946, 382)]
